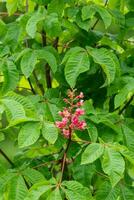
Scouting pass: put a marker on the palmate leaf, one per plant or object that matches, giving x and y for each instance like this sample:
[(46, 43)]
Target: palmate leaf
[(75, 191), (52, 25), (28, 63), (50, 132), (126, 192), (11, 6), (31, 26), (113, 164), (107, 192), (92, 153), (77, 63), (14, 110), (29, 134), (5, 178), (37, 190), (17, 189), (48, 56), (90, 10), (33, 176), (55, 195), (107, 60), (128, 137), (11, 76)]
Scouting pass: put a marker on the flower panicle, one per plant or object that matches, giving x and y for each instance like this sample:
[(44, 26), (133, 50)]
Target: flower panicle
[(71, 114)]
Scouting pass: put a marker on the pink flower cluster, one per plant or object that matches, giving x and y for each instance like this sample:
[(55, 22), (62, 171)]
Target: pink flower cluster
[(71, 114)]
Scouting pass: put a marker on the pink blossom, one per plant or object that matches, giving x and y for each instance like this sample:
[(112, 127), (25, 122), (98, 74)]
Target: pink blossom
[(66, 133), (75, 120), (62, 124), (82, 125), (80, 96), (79, 112), (80, 103), (71, 114)]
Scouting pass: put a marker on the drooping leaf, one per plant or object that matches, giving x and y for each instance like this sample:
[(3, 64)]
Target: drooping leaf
[(49, 57), (37, 190), (75, 191), (28, 63), (11, 6), (50, 132), (33, 176), (17, 189), (29, 134), (90, 10), (106, 192), (31, 26), (11, 76), (52, 25), (92, 153), (113, 164), (105, 59), (128, 137), (76, 64)]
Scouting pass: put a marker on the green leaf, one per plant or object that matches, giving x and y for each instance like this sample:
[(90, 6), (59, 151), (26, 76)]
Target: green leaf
[(28, 63), (128, 137), (90, 10), (5, 178), (11, 76), (31, 26), (50, 132), (29, 134), (52, 25), (49, 57), (11, 6), (15, 110), (56, 6), (113, 164), (106, 192), (75, 191), (55, 195), (92, 153), (107, 61), (92, 131), (33, 176), (121, 97), (126, 192), (37, 190), (76, 64), (17, 189), (2, 136)]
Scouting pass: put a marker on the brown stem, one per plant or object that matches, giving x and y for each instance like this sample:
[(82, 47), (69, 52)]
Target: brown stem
[(48, 76), (27, 6), (64, 158), (6, 14), (96, 22), (6, 157)]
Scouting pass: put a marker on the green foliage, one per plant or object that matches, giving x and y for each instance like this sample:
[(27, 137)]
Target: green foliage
[(46, 48)]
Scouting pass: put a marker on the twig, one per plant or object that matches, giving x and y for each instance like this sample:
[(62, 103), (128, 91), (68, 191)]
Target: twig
[(6, 14), (45, 164), (32, 89), (64, 159), (6, 157), (93, 27)]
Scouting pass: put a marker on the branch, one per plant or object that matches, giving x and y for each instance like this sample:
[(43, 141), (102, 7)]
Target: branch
[(32, 89), (6, 14), (93, 27), (64, 159), (6, 157)]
